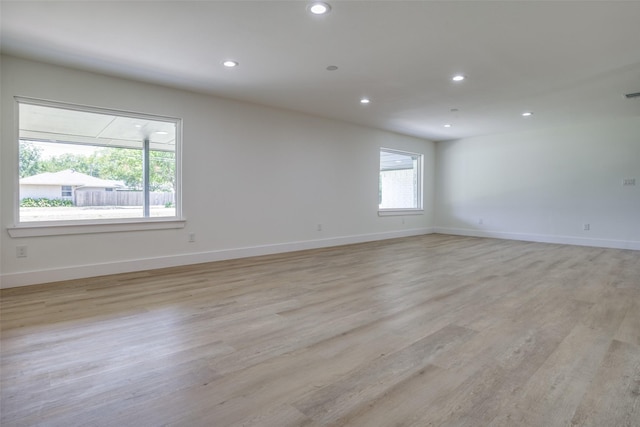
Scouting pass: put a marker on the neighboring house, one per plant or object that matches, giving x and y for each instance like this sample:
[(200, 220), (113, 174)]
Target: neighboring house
[(64, 185)]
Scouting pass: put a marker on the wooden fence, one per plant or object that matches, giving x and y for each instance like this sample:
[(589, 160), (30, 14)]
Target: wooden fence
[(121, 198)]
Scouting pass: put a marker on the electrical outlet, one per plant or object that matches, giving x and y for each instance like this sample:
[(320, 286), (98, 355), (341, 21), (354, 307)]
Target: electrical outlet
[(319, 228), (192, 237), (586, 227), (628, 182), (480, 221), (21, 251)]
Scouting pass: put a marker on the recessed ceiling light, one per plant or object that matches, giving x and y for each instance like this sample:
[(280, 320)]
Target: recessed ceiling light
[(527, 114), (458, 78), (447, 125), (364, 100), (319, 8), (230, 64)]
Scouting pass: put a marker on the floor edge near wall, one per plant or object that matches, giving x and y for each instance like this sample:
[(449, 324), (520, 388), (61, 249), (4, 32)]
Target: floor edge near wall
[(542, 238), (27, 278)]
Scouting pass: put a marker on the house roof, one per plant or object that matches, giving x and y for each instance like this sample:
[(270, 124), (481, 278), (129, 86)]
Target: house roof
[(69, 177), (567, 61)]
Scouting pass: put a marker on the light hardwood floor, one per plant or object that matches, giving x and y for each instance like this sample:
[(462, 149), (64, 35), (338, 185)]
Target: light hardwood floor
[(423, 331)]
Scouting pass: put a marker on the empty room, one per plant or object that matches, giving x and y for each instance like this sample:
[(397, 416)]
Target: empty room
[(340, 213)]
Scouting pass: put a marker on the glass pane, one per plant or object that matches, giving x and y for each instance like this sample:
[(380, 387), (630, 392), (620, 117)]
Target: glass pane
[(162, 181), (398, 185), (77, 165)]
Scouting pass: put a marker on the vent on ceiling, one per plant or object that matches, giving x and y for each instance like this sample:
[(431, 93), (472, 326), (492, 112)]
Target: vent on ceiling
[(633, 95)]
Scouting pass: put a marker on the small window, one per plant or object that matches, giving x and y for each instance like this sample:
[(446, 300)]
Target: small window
[(400, 184), (83, 164), (66, 191)]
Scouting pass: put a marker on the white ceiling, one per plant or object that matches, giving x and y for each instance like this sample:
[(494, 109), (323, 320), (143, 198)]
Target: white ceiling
[(47, 124), (567, 61)]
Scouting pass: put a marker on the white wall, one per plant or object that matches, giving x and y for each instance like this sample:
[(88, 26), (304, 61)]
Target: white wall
[(544, 185), (256, 180), (40, 191)]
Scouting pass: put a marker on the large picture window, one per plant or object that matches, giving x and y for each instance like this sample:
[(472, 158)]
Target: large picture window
[(80, 164), (400, 184)]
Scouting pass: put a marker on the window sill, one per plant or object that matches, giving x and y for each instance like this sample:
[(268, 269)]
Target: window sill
[(397, 212), (49, 229)]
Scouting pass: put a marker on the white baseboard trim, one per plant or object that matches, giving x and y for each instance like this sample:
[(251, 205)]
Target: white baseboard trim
[(542, 238), (12, 280)]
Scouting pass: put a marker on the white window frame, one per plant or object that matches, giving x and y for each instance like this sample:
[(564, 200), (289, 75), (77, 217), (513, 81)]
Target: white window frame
[(66, 189), (52, 228), (419, 210)]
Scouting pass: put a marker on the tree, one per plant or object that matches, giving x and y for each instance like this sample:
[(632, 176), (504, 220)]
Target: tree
[(77, 162), (30, 160), (124, 164), (121, 164), (162, 171), (116, 164)]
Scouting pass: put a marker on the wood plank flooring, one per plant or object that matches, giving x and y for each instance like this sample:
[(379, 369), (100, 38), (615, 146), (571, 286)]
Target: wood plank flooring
[(422, 331)]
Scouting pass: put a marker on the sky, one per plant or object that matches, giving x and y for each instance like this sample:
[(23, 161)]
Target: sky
[(50, 150)]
